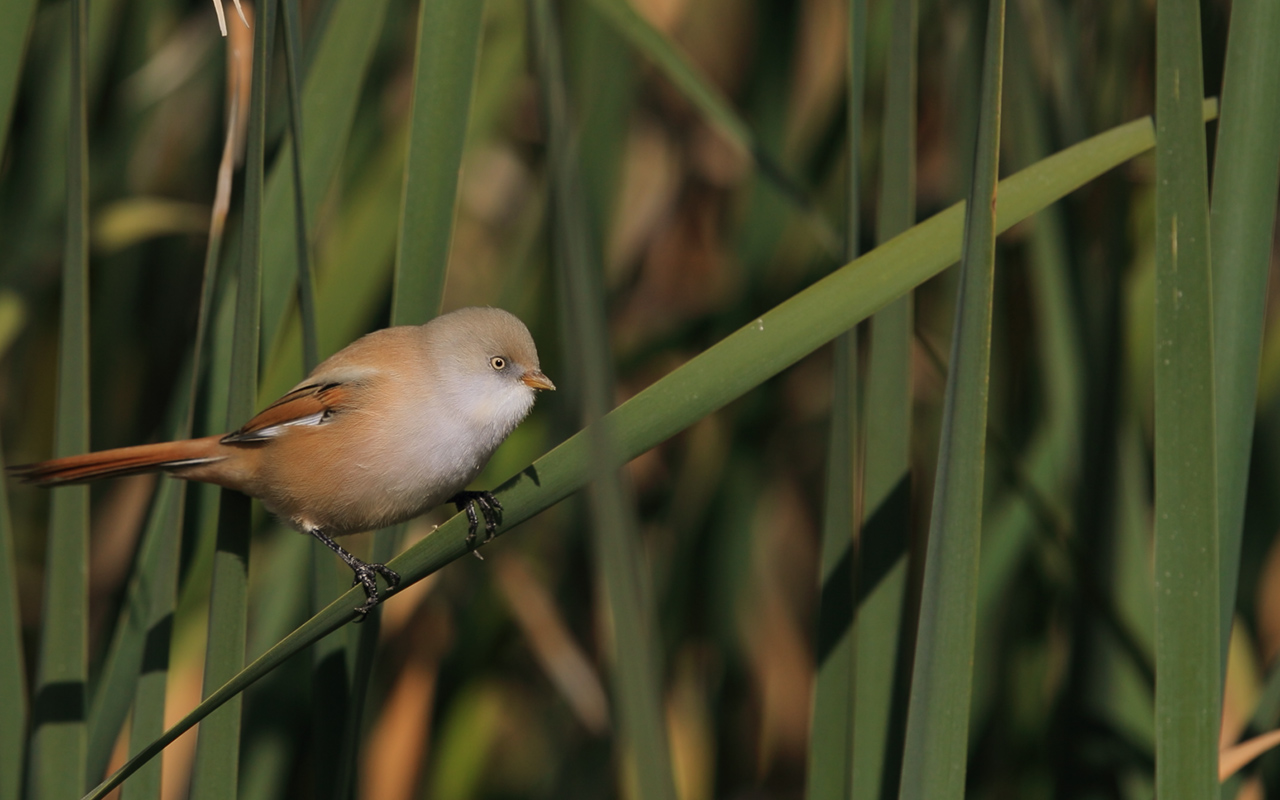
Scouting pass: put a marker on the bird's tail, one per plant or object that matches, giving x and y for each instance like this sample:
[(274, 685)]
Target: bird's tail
[(121, 461)]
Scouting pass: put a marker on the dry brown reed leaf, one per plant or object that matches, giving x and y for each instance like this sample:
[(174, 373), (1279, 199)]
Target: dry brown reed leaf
[(222, 16), (561, 657), (1233, 759)]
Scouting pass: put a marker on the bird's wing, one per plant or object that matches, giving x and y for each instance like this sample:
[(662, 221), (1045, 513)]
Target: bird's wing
[(310, 404)]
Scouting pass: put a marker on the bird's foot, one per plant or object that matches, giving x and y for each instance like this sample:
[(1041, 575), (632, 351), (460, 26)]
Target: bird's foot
[(490, 509), (366, 576)]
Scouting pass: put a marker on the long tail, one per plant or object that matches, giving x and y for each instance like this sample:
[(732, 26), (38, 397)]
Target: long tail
[(121, 461)]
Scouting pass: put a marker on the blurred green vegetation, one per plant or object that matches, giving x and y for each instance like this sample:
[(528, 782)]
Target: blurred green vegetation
[(692, 175)]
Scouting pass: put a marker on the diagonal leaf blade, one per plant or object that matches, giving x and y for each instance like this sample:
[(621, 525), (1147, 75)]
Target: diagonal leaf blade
[(741, 361)]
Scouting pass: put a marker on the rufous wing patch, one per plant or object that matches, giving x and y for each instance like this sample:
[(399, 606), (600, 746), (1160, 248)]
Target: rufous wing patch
[(312, 404)]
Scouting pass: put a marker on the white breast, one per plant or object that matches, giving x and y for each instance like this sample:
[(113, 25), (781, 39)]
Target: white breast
[(441, 444)]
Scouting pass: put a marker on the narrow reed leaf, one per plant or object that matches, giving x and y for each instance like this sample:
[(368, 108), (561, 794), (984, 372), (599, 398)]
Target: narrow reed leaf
[(937, 739), (301, 228), (365, 644), (16, 18), (329, 747), (150, 694), (1241, 220), (13, 682), (729, 369), (242, 395), (831, 750), (170, 505), (135, 669), (1187, 621), (216, 772), (602, 77), (331, 86), (1018, 519), (880, 697), (59, 707), (330, 681), (619, 560), (113, 690), (831, 722), (133, 673), (443, 83), (1048, 460), (690, 80)]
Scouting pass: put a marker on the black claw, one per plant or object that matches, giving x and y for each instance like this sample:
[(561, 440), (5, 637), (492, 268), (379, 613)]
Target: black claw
[(392, 577), (490, 509), (367, 578)]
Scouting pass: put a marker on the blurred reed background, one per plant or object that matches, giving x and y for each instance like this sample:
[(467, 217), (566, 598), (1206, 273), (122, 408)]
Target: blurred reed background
[(637, 180)]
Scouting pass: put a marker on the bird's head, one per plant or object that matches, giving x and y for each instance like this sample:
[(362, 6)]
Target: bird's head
[(488, 364)]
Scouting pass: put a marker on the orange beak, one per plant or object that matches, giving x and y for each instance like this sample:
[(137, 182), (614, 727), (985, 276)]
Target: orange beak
[(537, 380)]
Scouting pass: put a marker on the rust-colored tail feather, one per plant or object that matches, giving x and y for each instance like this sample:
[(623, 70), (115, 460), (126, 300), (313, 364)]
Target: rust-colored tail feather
[(119, 462)]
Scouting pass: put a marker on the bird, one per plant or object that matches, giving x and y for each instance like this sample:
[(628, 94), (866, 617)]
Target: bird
[(391, 426)]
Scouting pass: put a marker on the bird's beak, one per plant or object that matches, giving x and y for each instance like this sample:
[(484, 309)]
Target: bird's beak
[(536, 380)]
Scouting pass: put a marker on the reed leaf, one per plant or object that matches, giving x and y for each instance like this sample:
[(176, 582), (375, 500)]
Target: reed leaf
[(15, 29), (332, 79), (831, 722), (443, 84), (681, 71), (619, 561), (1187, 620), (217, 762), (937, 738), (301, 226), (879, 707), (13, 680), (1241, 221), (59, 707)]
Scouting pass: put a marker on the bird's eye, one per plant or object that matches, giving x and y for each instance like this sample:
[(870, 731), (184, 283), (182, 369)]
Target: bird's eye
[(498, 363)]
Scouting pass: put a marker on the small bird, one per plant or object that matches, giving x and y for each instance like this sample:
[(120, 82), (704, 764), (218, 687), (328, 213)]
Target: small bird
[(387, 428)]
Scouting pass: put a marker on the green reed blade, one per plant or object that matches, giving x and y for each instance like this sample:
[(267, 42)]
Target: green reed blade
[(58, 739), (443, 84), (831, 726), (301, 227), (13, 679), (16, 19), (637, 685), (937, 739), (216, 772), (879, 701), (1241, 219), (1188, 644), (681, 70), (331, 87)]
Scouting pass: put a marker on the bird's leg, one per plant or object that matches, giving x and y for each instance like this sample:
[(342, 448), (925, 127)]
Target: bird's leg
[(489, 507), (365, 574)]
